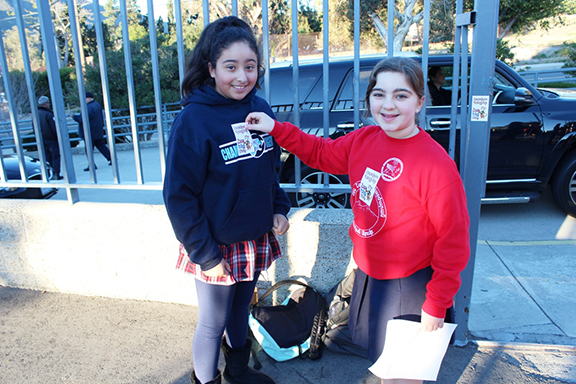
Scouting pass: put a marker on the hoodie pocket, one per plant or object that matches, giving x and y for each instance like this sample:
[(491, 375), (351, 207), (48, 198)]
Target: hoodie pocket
[(251, 216)]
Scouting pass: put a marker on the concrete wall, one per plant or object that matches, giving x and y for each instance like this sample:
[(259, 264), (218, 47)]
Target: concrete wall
[(129, 250)]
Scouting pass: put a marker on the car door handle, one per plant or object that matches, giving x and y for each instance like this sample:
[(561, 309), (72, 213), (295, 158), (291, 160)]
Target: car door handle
[(345, 125), (440, 123)]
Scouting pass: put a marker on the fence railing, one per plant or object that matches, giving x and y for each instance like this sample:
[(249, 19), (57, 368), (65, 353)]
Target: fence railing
[(547, 76)]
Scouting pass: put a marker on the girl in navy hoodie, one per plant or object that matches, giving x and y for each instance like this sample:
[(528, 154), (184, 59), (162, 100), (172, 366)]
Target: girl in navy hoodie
[(222, 194)]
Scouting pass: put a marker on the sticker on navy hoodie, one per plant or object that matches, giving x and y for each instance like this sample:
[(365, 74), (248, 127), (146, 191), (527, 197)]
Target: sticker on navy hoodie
[(248, 145), (243, 139), (368, 185)]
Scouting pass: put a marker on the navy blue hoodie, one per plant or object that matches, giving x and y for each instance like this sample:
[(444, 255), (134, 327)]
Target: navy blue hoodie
[(213, 195)]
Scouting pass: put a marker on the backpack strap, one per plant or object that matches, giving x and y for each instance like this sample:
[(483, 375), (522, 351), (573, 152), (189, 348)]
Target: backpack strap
[(281, 284)]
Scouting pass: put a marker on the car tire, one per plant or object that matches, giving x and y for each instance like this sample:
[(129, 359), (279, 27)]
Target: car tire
[(564, 185), (320, 199)]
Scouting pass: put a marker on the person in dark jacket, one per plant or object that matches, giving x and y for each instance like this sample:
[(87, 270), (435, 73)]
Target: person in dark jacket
[(439, 95), (96, 119), (49, 135), (223, 196)]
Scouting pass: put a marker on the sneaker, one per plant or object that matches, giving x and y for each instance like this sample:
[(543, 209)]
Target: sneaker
[(109, 162), (88, 168)]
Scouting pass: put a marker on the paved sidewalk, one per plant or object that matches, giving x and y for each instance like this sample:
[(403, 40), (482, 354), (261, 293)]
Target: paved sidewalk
[(54, 338)]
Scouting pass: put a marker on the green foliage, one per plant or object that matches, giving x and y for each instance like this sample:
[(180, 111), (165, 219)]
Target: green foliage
[(569, 51), (442, 20), (504, 52), (67, 80), (280, 23), (313, 18)]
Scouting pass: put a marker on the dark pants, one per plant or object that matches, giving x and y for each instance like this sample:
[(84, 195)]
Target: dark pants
[(101, 145), (374, 302), (52, 152), (220, 308)]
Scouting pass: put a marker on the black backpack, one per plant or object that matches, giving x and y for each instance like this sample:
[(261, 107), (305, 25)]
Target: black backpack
[(281, 330)]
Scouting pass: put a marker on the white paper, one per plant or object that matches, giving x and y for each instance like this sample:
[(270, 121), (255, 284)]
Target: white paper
[(410, 353)]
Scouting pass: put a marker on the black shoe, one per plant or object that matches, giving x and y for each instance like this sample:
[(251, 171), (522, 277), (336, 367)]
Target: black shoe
[(109, 162), (237, 370), (88, 168), (216, 380), (58, 177)]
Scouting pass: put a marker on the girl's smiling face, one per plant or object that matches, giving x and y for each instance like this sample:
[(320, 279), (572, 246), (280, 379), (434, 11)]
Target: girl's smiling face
[(236, 71), (394, 105)]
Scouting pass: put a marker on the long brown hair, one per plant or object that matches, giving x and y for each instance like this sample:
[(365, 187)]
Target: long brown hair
[(410, 68)]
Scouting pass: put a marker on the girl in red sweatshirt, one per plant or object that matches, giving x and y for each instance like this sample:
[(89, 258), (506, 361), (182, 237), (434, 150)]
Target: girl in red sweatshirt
[(410, 228)]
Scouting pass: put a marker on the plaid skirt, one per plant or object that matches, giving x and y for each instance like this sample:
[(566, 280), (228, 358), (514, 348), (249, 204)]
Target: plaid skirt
[(245, 259)]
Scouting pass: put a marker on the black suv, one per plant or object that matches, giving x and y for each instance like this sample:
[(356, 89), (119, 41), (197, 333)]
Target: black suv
[(532, 136)]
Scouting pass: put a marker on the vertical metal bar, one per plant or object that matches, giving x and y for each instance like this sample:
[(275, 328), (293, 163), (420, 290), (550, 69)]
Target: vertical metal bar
[(206, 12), (57, 97), (179, 39), (464, 100), (131, 92), (266, 48), (325, 68), (326, 77), (105, 88), (12, 109), (456, 87), (474, 173), (425, 53), (390, 27), (296, 82), (77, 46), (235, 7), (30, 85), (156, 82), (356, 77)]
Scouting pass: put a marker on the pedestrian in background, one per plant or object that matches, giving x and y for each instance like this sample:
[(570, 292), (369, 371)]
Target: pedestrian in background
[(49, 136), (96, 119)]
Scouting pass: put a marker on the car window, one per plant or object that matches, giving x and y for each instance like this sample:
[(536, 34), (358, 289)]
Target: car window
[(346, 96), (281, 94)]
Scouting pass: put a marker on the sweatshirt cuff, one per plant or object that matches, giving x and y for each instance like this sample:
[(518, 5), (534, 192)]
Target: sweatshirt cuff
[(434, 310), (210, 264)]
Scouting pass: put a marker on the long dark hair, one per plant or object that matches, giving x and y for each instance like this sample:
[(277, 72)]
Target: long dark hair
[(215, 38)]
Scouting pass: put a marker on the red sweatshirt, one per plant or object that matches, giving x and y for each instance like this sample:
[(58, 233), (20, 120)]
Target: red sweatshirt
[(409, 215)]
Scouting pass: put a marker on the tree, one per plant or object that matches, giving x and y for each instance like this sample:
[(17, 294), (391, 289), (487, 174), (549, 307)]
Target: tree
[(519, 15), (372, 12), (280, 20), (312, 17)]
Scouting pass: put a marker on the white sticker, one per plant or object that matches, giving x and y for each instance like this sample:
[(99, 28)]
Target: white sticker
[(368, 185), (243, 139), (480, 108)]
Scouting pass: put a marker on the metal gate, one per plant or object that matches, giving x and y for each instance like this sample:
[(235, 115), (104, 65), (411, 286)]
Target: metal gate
[(474, 132)]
